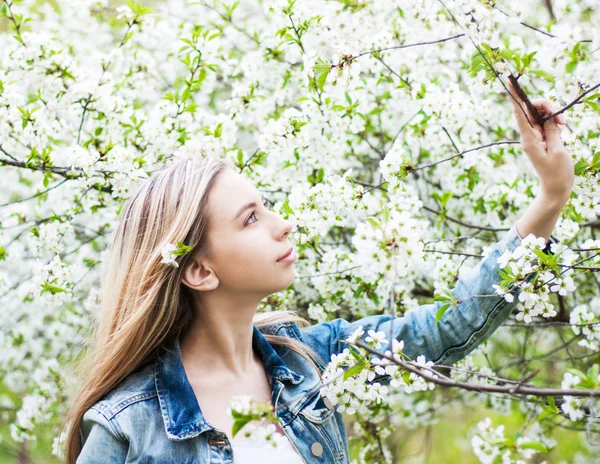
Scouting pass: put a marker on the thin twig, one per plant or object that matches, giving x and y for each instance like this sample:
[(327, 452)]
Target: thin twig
[(351, 58)]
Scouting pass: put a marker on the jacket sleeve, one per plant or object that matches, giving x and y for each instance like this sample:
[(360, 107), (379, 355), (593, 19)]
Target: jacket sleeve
[(101, 441), (457, 333)]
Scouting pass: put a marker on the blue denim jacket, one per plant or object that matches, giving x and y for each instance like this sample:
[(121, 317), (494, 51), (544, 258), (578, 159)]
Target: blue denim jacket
[(153, 415)]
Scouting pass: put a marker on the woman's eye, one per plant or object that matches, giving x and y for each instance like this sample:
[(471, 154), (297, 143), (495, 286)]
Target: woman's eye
[(266, 203)]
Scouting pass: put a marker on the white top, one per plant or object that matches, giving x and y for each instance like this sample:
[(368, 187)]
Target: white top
[(251, 453)]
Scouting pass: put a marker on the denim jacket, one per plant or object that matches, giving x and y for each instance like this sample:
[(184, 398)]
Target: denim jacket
[(153, 415)]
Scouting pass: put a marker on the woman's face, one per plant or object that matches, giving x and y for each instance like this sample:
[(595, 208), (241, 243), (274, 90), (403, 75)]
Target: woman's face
[(247, 238)]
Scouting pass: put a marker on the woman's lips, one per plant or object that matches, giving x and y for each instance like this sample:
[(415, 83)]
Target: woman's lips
[(290, 257)]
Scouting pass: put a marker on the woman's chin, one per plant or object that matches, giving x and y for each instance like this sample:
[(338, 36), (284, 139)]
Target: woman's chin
[(290, 273)]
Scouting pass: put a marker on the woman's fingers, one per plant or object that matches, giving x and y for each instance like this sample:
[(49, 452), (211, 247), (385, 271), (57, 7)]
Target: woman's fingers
[(528, 131), (552, 132), (537, 141), (520, 110), (545, 106)]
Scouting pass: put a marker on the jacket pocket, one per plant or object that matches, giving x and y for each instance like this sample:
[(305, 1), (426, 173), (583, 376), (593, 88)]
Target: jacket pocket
[(315, 410), (318, 420)]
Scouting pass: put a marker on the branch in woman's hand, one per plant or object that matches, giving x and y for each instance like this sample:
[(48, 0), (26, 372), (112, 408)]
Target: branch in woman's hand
[(545, 149), (523, 96)]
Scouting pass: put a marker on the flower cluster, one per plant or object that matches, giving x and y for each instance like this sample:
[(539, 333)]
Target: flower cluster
[(491, 445), (571, 405), (353, 389), (585, 320), (396, 166), (333, 202), (537, 274), (171, 252), (255, 420)]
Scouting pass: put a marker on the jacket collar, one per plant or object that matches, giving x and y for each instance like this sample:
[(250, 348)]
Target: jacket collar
[(179, 407)]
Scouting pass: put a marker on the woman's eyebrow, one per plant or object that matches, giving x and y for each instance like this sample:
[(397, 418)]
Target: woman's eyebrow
[(245, 207)]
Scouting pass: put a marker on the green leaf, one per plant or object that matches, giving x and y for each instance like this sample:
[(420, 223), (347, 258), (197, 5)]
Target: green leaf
[(540, 254), (441, 310), (238, 424), (356, 354), (546, 414), (320, 175), (287, 208), (47, 177), (218, 130), (508, 54), (90, 262), (128, 36), (358, 292), (354, 370), (543, 74), (321, 70), (477, 63), (580, 167), (528, 58), (52, 289), (593, 105), (182, 249), (533, 445), (504, 273), (281, 32), (202, 75), (549, 411), (374, 222), (571, 66), (442, 199), (592, 375)]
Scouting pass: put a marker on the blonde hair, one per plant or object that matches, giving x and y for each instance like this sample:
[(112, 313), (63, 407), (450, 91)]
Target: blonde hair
[(143, 303)]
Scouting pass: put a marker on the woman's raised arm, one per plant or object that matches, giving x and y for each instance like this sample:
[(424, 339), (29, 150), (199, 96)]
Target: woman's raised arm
[(480, 310)]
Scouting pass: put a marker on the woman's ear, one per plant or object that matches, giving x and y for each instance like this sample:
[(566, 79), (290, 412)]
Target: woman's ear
[(198, 275)]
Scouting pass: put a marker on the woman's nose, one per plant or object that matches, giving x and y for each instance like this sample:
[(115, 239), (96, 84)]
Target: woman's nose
[(287, 228)]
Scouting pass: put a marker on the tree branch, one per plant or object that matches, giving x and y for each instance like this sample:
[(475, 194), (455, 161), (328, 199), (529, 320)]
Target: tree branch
[(439, 379)]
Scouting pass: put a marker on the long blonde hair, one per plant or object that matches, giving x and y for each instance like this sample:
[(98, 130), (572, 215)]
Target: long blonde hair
[(143, 303)]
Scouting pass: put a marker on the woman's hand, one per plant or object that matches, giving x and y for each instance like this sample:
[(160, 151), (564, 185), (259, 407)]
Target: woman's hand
[(545, 149)]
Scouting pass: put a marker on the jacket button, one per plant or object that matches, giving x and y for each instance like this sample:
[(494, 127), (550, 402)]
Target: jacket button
[(317, 449), (217, 442), (327, 402)]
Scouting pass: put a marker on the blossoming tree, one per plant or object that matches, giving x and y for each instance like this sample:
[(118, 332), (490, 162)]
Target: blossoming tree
[(383, 129)]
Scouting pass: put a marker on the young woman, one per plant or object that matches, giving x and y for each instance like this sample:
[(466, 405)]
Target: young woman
[(174, 343)]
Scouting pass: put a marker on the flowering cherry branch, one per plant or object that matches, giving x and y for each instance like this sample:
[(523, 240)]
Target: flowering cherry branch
[(521, 388), (348, 59)]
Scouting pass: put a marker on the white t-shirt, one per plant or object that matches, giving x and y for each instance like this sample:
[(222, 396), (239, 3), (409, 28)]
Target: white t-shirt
[(251, 453)]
